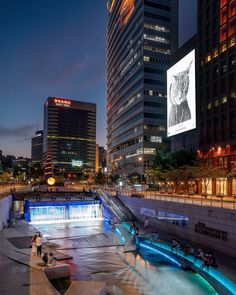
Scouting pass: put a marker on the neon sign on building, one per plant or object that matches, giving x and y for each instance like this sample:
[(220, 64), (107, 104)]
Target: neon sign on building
[(126, 10), (110, 5), (62, 102)]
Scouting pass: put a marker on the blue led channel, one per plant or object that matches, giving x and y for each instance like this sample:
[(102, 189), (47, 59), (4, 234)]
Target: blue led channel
[(212, 272), (160, 253), (123, 239)]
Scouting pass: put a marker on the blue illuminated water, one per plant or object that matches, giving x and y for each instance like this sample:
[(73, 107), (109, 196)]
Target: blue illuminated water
[(44, 214)]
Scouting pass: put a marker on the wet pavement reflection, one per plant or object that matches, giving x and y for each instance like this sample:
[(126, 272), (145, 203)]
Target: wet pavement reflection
[(98, 254)]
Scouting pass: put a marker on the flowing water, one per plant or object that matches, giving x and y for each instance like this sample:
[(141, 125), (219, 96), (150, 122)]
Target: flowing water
[(98, 254)]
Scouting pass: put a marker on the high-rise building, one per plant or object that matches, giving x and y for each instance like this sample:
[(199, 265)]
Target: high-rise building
[(37, 147), (141, 37), (217, 88), (70, 135)]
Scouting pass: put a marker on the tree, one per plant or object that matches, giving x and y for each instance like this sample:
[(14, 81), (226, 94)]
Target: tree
[(175, 166), (6, 176), (99, 178)]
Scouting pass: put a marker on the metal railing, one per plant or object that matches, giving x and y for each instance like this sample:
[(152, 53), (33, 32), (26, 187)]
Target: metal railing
[(7, 190), (198, 200)]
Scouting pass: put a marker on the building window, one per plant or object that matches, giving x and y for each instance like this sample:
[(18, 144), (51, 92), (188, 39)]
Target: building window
[(207, 186), (232, 41), (223, 47), (146, 58), (224, 99), (234, 187), (208, 58), (221, 186), (156, 139), (216, 102), (215, 53)]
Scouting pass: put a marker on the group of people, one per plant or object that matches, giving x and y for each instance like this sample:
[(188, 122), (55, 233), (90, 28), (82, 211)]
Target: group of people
[(36, 246), (208, 259)]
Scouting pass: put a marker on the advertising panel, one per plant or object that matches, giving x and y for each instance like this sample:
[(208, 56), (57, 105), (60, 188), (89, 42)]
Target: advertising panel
[(181, 96)]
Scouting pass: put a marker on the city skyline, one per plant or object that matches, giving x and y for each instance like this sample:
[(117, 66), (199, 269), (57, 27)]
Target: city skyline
[(51, 61)]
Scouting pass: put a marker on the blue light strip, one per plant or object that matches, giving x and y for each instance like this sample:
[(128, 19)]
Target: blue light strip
[(218, 276), (123, 239), (160, 253)]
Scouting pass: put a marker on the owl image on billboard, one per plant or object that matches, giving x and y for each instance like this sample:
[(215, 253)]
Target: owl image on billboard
[(181, 96)]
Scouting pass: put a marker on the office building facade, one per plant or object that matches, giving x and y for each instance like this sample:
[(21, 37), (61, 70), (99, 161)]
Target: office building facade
[(141, 37), (217, 89), (70, 135), (37, 148)]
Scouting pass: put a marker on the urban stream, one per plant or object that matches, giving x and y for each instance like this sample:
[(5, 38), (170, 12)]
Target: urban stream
[(99, 254)]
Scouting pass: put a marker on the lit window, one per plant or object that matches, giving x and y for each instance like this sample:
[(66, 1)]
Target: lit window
[(149, 151), (215, 53), (208, 58), (223, 47), (150, 92), (232, 41), (156, 139), (216, 102), (233, 94), (209, 106), (224, 99), (146, 58)]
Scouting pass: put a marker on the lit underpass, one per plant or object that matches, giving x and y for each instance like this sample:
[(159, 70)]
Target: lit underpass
[(92, 234)]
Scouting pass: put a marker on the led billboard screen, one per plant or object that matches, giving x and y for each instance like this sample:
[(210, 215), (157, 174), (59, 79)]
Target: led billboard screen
[(181, 96)]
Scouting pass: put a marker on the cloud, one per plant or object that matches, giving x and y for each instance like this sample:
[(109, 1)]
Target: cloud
[(18, 133)]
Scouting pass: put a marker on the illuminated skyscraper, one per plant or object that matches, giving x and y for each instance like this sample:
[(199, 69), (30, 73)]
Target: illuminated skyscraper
[(141, 37), (37, 147), (70, 134)]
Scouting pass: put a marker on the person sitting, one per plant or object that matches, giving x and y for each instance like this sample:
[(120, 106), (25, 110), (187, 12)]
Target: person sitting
[(51, 261), (45, 259), (200, 254), (173, 245)]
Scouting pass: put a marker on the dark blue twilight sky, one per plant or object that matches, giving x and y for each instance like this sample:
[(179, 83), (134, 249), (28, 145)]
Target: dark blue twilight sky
[(55, 48)]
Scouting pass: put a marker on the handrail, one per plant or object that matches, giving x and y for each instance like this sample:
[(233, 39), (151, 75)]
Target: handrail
[(114, 206), (197, 200)]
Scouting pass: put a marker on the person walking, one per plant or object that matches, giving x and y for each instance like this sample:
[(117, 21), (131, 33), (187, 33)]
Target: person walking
[(39, 244)]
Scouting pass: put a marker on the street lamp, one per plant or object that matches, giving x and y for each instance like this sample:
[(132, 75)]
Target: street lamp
[(140, 160)]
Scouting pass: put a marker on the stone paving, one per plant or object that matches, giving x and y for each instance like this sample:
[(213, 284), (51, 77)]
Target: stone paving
[(20, 273)]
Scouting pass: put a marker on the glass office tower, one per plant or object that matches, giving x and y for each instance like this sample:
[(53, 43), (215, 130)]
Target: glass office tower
[(70, 135), (141, 37)]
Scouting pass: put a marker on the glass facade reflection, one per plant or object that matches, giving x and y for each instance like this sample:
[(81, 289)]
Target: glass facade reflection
[(70, 134), (138, 54)]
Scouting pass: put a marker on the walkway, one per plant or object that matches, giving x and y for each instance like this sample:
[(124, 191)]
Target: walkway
[(198, 200), (19, 272)]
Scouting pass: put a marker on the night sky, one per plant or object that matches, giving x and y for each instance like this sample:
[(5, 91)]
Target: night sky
[(55, 48)]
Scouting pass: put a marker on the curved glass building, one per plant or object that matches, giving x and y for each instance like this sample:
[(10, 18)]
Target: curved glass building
[(141, 36)]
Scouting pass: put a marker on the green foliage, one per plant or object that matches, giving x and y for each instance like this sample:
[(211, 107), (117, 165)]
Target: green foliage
[(100, 178)]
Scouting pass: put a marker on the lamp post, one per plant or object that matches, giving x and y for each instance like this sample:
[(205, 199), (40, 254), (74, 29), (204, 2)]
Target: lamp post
[(140, 160)]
